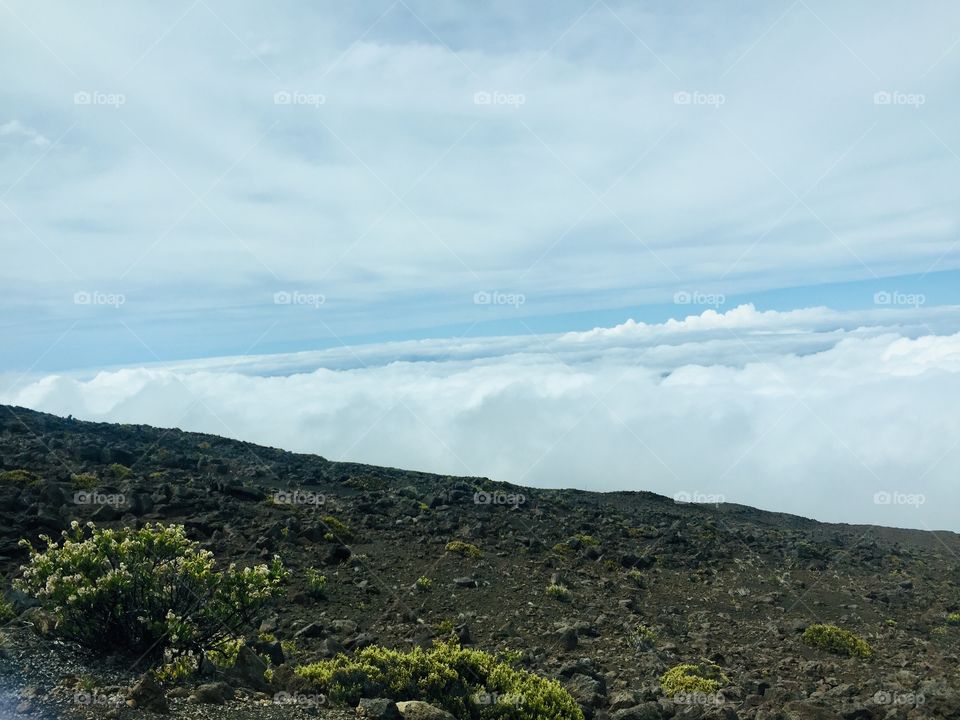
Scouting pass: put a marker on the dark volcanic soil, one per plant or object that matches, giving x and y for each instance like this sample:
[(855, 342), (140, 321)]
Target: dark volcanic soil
[(727, 583)]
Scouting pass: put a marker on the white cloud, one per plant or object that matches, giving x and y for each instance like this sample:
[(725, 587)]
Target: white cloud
[(15, 128), (813, 412)]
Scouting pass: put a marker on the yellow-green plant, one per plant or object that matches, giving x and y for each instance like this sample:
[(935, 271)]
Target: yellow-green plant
[(121, 472), (953, 618), (19, 476), (424, 584), (559, 592), (144, 590), (464, 548), (705, 677), (836, 640), (337, 528), (316, 582), (446, 675), (84, 481)]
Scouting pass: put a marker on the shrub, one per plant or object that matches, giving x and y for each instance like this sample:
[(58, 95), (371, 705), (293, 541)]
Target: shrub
[(643, 637), (704, 677), (7, 611), (836, 640), (144, 590), (953, 618), (560, 592), (18, 476), (84, 481), (635, 575), (337, 528), (316, 582), (461, 681), (464, 548), (121, 472), (587, 540), (424, 584)]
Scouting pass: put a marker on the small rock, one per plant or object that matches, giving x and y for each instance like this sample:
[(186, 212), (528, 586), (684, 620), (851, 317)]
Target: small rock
[(417, 710), (377, 709)]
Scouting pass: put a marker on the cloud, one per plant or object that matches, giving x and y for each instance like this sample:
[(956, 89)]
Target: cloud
[(839, 416), (15, 128), (400, 195)]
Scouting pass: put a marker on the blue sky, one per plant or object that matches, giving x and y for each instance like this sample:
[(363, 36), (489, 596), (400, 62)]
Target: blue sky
[(682, 247), (396, 158)]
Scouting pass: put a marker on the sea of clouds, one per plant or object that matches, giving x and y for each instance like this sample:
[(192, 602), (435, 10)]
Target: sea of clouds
[(841, 416)]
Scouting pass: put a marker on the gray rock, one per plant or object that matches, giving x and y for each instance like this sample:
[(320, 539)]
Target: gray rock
[(417, 710)]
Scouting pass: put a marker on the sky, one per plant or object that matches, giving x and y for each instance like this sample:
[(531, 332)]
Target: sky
[(487, 214)]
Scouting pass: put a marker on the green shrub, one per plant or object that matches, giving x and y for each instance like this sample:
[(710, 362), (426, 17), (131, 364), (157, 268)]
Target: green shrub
[(643, 637), (587, 540), (705, 677), (464, 548), (953, 618), (458, 680), (144, 590), (424, 584), (340, 530), (84, 481), (7, 611), (836, 640), (560, 592), (121, 472), (316, 582), (19, 476)]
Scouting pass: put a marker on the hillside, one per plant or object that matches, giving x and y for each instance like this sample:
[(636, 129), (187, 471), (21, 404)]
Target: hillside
[(650, 583)]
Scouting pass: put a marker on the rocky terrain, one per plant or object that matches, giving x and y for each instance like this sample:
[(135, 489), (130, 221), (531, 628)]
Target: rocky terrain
[(639, 583)]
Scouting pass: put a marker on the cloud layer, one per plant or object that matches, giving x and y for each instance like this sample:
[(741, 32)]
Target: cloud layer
[(838, 416)]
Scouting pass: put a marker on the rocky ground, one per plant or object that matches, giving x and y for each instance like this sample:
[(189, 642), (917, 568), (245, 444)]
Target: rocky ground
[(651, 583)]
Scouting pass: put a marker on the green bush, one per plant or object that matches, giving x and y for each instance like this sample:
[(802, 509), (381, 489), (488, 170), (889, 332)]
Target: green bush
[(836, 640), (704, 677), (463, 682), (144, 590), (316, 582), (84, 481), (464, 548), (337, 528), (19, 476), (559, 592), (953, 618), (121, 472), (424, 584)]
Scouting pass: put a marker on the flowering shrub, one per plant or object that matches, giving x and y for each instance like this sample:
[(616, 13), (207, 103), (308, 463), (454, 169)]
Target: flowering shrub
[(467, 683), (144, 590)]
